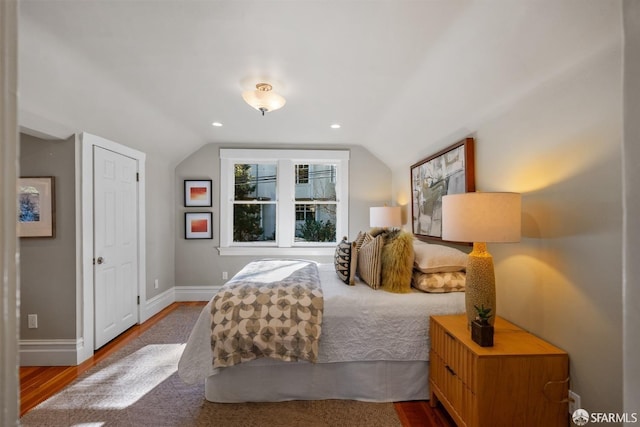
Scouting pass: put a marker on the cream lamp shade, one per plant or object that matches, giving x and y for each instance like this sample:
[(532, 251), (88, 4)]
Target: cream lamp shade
[(263, 99), (481, 218), (385, 216)]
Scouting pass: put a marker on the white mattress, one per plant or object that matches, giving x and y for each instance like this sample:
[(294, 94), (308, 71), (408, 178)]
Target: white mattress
[(359, 325)]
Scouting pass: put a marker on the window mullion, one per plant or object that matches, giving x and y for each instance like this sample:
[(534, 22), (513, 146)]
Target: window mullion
[(286, 209)]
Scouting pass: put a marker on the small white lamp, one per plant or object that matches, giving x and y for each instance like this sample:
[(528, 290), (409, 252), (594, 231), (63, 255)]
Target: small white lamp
[(385, 217), (481, 218)]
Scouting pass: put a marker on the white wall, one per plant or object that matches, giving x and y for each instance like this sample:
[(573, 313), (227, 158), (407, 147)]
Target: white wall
[(560, 146)]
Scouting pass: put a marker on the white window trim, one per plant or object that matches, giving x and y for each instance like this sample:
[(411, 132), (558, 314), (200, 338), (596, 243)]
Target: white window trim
[(285, 159)]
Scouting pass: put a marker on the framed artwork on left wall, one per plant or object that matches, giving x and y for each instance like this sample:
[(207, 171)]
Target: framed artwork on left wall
[(36, 206), (197, 225), (197, 193)]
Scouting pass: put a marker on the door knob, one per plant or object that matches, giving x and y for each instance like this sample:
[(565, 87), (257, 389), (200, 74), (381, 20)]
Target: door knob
[(100, 260)]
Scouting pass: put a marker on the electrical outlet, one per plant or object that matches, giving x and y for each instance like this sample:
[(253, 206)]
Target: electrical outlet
[(33, 321), (225, 275), (574, 402), (156, 283)]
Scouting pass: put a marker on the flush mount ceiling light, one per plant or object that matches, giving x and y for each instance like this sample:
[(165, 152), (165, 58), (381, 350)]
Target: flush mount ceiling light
[(263, 99)]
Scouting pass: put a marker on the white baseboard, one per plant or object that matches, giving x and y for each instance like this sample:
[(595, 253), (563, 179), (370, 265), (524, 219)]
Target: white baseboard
[(156, 304), (195, 293), (59, 352)]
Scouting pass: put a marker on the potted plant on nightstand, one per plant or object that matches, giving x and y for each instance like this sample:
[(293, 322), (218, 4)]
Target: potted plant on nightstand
[(481, 329)]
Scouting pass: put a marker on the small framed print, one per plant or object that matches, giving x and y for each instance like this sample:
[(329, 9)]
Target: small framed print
[(197, 225), (197, 193), (36, 207)]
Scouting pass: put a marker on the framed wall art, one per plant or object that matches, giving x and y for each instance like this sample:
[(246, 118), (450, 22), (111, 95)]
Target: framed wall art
[(449, 171), (197, 193), (36, 206), (197, 225)]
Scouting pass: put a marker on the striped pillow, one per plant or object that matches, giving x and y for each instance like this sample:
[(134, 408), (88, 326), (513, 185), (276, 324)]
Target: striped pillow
[(370, 260)]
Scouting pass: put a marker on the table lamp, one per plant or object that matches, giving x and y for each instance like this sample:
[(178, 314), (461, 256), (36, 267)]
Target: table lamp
[(385, 217), (481, 218)]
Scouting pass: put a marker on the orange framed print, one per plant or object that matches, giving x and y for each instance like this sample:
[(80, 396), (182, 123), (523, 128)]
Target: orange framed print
[(197, 225), (197, 193), (36, 207)]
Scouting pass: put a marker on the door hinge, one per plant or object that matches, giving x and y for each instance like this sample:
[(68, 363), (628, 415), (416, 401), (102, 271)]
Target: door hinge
[(137, 176), (138, 299)]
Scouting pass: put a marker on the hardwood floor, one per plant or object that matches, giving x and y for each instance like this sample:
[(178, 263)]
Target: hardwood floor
[(38, 383)]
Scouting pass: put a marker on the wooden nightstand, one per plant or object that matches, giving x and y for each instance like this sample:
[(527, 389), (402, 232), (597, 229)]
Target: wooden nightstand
[(520, 381)]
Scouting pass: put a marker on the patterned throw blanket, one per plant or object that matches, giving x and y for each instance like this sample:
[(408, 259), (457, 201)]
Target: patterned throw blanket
[(271, 308)]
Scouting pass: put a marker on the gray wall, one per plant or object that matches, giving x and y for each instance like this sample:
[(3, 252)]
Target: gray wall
[(560, 146), (48, 265), (197, 262), (631, 159), (160, 224)]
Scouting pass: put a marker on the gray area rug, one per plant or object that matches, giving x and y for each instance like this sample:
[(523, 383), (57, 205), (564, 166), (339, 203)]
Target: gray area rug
[(139, 386)]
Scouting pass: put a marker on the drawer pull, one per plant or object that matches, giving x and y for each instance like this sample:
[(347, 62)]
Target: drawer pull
[(451, 371)]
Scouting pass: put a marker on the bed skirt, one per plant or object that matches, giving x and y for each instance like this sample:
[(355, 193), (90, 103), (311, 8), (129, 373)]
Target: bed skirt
[(266, 380)]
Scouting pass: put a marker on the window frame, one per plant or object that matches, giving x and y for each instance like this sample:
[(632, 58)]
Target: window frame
[(285, 161)]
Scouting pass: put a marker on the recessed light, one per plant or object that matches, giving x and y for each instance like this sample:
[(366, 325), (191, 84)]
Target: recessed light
[(216, 124), (335, 126)]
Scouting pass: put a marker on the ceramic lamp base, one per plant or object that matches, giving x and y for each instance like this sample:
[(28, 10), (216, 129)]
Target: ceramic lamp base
[(480, 289)]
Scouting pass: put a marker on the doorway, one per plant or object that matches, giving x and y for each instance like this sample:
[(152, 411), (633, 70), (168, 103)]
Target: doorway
[(101, 281)]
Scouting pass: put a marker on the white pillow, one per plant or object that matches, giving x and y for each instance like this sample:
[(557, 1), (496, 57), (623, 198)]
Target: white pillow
[(438, 258)]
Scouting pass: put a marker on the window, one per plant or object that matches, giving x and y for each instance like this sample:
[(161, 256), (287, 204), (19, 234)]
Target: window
[(282, 201), (302, 174)]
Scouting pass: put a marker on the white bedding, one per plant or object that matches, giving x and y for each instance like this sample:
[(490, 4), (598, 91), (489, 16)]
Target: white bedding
[(359, 324)]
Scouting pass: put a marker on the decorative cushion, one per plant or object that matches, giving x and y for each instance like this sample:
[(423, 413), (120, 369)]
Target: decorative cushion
[(453, 281), (345, 261), (370, 260), (397, 261), (359, 239), (438, 258)]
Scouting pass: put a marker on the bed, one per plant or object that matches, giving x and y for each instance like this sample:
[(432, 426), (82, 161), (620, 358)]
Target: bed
[(374, 346)]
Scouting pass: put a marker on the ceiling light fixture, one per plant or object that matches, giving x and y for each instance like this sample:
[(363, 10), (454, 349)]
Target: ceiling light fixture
[(263, 99), (335, 126), (216, 124)]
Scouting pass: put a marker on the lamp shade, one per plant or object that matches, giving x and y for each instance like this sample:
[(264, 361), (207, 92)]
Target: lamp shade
[(481, 217), (385, 216), (263, 99)]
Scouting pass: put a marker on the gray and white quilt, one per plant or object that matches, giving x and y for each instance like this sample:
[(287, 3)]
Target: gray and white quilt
[(271, 308)]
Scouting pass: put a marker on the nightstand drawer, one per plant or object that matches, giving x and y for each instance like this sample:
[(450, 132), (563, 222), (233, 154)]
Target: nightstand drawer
[(458, 399), (454, 354)]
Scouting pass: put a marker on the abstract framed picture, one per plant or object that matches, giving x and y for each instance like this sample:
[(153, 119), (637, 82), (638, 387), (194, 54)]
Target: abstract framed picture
[(197, 225), (197, 193), (36, 206), (449, 171)]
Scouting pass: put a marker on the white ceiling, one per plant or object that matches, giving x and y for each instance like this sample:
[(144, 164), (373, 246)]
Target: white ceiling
[(412, 74)]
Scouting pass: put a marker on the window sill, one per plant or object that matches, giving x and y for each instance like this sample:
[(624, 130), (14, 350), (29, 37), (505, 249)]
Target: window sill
[(269, 251)]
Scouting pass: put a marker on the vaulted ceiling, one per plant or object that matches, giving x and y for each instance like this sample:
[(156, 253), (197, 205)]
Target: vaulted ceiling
[(401, 77)]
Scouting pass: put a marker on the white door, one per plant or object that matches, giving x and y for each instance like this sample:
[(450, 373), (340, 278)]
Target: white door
[(115, 244)]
